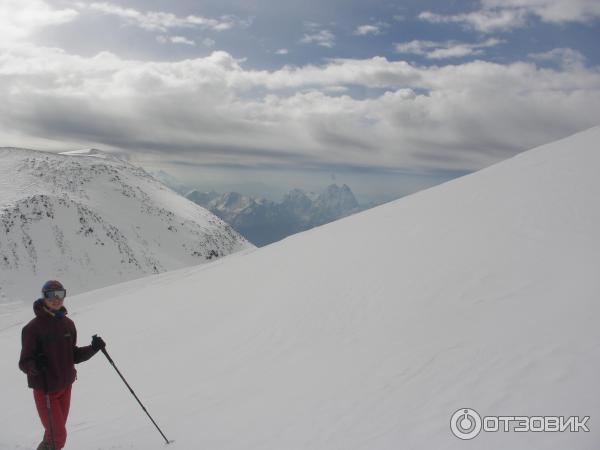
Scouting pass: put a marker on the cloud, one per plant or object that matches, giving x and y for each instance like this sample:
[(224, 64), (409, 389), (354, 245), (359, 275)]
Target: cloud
[(316, 35), (175, 40), (20, 19), (444, 50), (216, 111), (159, 21), (282, 51), (505, 15), (565, 57), (486, 21), (324, 38), (208, 42), (182, 40), (364, 30), (552, 11)]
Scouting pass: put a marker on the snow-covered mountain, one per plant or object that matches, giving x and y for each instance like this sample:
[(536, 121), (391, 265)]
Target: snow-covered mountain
[(332, 204), (367, 333), (170, 181), (262, 221), (92, 219)]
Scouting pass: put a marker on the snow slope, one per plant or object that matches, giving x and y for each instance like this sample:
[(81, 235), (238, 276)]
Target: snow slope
[(364, 334), (92, 220)]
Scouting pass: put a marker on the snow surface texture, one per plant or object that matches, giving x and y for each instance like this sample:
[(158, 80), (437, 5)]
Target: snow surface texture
[(364, 334), (91, 220)]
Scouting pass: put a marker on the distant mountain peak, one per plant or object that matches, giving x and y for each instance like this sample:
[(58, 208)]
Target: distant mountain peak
[(337, 198), (334, 187), (263, 221)]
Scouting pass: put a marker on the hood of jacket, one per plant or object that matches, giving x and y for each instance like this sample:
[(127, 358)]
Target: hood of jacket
[(40, 310)]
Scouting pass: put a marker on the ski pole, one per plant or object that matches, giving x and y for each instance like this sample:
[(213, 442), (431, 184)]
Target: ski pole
[(48, 407), (133, 393)]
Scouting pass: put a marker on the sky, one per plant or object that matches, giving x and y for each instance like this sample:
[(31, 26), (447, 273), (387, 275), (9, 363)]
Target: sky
[(262, 96)]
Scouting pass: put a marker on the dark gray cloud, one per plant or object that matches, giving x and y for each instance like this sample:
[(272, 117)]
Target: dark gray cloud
[(206, 85), (471, 114)]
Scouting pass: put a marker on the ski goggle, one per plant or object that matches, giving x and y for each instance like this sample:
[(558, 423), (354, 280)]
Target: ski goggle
[(60, 294)]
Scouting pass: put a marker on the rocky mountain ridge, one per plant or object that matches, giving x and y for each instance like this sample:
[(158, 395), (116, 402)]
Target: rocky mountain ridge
[(91, 220), (263, 221)]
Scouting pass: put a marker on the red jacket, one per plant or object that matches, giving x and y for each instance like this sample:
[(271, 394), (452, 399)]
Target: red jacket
[(55, 337)]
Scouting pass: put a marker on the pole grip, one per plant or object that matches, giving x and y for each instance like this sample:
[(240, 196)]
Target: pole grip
[(103, 350)]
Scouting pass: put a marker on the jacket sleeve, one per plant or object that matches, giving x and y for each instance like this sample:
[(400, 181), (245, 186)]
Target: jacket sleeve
[(81, 354), (29, 348)]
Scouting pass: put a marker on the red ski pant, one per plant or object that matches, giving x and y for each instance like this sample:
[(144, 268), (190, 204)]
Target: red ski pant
[(60, 401)]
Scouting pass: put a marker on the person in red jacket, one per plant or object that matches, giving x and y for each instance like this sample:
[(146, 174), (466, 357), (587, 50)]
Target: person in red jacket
[(48, 356)]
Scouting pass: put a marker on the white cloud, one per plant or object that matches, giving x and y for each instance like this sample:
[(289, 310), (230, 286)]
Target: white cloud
[(316, 35), (182, 40), (364, 30), (552, 11), (486, 21), (324, 38), (175, 40), (160, 21), (566, 57), (214, 110), (19, 19), (208, 42), (445, 50), (504, 15), (335, 89), (282, 51)]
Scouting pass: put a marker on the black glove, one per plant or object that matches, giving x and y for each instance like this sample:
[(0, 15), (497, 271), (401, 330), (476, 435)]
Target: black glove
[(98, 343), (32, 371)]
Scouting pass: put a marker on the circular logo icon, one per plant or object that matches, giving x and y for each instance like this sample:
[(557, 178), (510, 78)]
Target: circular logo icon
[(465, 423)]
